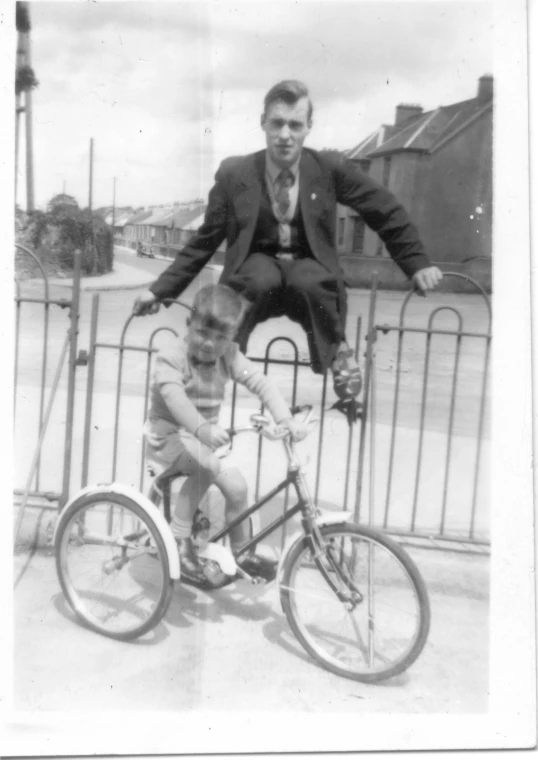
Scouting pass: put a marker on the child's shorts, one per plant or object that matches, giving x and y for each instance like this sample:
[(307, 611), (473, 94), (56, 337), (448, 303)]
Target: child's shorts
[(166, 445)]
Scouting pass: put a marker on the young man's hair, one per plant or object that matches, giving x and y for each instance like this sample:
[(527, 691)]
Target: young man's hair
[(290, 91), (218, 307)]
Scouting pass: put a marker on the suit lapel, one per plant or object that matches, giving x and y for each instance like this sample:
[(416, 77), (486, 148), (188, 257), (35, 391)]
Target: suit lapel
[(310, 182), (246, 199)]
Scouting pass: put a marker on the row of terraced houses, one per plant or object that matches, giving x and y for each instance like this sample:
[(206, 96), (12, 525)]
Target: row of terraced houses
[(437, 163)]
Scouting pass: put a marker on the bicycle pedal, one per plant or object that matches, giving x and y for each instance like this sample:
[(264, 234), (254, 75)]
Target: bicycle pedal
[(254, 580)]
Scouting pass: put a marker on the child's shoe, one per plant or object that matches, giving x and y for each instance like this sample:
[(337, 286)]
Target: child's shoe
[(258, 566), (191, 569)]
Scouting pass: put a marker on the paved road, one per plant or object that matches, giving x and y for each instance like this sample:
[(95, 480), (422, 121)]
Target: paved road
[(233, 650)]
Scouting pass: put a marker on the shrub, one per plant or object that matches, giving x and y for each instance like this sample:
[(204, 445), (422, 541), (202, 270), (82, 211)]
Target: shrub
[(56, 235)]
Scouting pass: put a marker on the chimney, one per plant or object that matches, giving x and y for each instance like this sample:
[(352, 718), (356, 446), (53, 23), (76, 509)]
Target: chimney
[(406, 111), (485, 87)]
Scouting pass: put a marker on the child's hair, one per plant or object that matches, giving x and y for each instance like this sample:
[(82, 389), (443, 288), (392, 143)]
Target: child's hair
[(218, 307)]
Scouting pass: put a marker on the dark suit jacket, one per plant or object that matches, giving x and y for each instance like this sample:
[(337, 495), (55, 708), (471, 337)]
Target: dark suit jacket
[(326, 178)]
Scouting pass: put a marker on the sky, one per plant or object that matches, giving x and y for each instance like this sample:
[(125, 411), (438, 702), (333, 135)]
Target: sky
[(168, 89)]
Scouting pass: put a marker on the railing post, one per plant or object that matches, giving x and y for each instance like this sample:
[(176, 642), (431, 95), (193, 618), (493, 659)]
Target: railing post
[(370, 340), (71, 369), (89, 391)]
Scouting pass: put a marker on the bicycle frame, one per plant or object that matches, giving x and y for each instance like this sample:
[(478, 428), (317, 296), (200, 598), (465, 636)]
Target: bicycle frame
[(311, 531), (301, 506), (294, 478)]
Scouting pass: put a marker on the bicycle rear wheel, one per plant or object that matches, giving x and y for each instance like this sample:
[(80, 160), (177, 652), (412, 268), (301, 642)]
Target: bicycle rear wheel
[(383, 629), (112, 565)]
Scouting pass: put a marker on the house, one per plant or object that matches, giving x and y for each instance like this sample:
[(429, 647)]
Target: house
[(165, 228), (132, 231), (119, 219), (439, 165), (175, 228)]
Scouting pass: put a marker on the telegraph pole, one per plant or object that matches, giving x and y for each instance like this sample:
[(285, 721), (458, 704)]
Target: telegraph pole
[(90, 207), (25, 82), (29, 137), (113, 204), (91, 176)]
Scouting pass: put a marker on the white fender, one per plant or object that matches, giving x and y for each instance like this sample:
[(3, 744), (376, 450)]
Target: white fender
[(323, 518), (147, 506), (221, 555)]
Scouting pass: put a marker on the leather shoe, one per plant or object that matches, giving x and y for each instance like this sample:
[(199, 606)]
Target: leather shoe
[(258, 566), (191, 569), (347, 379)]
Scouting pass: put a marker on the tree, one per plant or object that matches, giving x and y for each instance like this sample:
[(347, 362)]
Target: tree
[(62, 202)]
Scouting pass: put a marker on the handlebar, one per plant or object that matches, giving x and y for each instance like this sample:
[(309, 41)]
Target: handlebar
[(263, 426)]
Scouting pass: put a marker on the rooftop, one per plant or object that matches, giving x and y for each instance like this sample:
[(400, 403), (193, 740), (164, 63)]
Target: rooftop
[(426, 132)]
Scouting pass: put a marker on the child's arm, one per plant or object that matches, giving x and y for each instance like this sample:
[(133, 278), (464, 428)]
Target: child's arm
[(248, 374), (169, 379)]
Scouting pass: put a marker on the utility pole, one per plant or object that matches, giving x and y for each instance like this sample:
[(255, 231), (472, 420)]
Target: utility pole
[(90, 198), (29, 137), (91, 176), (113, 221), (113, 204), (25, 82)]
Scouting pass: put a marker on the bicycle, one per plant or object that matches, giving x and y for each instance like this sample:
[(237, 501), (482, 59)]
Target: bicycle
[(352, 596)]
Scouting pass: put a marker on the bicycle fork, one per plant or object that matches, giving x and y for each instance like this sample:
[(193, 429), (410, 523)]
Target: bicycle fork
[(323, 553)]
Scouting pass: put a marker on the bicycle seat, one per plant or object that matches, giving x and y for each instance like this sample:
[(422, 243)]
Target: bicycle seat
[(166, 476)]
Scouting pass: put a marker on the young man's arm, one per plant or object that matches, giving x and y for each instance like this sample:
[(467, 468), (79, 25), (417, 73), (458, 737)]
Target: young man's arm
[(194, 256), (384, 214)]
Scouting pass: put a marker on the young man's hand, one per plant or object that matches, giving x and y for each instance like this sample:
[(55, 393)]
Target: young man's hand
[(427, 278), (298, 431), (146, 303), (212, 436)]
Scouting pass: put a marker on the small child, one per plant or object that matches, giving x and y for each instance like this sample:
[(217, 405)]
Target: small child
[(182, 428)]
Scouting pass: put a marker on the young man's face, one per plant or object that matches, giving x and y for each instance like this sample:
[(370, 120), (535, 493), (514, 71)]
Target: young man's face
[(286, 127), (207, 344)]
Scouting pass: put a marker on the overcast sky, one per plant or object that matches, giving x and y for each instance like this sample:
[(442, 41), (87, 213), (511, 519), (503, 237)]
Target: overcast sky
[(168, 89)]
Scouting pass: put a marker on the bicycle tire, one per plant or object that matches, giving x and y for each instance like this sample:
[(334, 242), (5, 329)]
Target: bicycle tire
[(347, 654), (94, 569)]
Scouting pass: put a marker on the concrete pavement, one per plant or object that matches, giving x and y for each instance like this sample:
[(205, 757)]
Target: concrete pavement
[(123, 276)]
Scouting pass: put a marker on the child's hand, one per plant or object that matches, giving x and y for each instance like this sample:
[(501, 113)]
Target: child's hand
[(298, 431), (213, 436)]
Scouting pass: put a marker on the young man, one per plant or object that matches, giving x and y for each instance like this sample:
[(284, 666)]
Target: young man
[(277, 210), (182, 429)]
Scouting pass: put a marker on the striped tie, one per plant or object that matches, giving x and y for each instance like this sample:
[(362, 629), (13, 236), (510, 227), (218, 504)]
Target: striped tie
[(282, 185)]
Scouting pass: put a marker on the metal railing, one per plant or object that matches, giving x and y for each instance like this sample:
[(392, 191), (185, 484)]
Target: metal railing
[(368, 439), (368, 467), (472, 438), (32, 489)]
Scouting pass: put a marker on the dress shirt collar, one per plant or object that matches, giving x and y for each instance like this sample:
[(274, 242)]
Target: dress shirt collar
[(273, 170)]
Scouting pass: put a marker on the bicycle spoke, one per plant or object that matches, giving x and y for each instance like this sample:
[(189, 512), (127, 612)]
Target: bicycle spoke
[(379, 627), (112, 568)]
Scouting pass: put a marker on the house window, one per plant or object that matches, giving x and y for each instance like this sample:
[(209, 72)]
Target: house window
[(386, 171), (341, 230), (358, 235)]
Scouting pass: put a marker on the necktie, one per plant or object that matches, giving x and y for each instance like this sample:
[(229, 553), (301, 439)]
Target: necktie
[(282, 186)]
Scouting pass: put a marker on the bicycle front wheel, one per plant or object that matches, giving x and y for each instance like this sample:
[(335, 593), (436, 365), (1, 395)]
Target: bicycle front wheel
[(112, 565), (379, 626)]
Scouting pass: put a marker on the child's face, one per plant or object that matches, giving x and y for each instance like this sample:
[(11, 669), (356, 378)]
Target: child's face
[(207, 344)]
